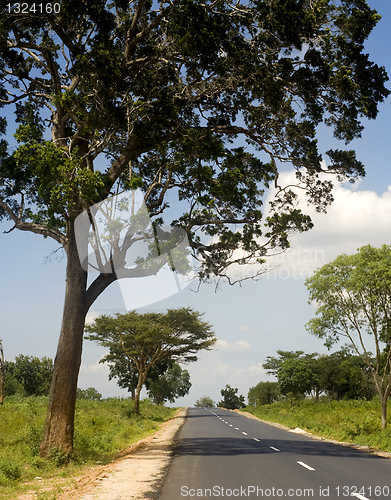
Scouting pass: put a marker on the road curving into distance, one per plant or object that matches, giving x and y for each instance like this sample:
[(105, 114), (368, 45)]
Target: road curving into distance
[(223, 454)]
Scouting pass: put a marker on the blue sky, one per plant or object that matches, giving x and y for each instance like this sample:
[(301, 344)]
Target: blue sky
[(251, 321)]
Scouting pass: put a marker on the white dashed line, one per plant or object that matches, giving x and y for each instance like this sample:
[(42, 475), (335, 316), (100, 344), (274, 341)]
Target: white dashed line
[(255, 439), (245, 433), (275, 449), (236, 428), (230, 425), (357, 495), (305, 465)]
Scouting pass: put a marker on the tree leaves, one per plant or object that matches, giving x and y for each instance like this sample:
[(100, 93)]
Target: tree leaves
[(155, 96)]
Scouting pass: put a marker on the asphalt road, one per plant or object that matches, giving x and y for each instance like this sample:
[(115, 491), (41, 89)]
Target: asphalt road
[(222, 454)]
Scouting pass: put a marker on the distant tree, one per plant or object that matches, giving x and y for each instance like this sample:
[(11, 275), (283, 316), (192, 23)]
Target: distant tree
[(29, 375), (344, 375), (172, 384), (205, 402), (264, 393), (231, 400), (296, 377), (91, 394), (149, 339), (353, 294)]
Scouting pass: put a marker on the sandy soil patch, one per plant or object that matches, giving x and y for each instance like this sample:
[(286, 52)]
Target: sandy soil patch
[(137, 474)]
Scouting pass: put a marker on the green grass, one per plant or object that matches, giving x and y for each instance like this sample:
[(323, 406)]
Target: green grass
[(353, 421), (102, 429)]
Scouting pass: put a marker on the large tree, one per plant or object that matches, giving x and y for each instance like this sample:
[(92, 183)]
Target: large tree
[(196, 101), (353, 295), (150, 339)]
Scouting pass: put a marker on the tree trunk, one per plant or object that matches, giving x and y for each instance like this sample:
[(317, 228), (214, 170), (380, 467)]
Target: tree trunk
[(59, 425), (383, 401), (141, 380)]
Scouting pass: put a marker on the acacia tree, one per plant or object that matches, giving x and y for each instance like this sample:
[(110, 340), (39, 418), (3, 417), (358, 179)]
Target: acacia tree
[(150, 339), (118, 95), (353, 293)]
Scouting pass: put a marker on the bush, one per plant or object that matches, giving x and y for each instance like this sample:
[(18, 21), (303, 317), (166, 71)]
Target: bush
[(10, 469)]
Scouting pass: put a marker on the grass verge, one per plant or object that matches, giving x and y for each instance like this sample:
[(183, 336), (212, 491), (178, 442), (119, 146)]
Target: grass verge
[(353, 421), (102, 429)]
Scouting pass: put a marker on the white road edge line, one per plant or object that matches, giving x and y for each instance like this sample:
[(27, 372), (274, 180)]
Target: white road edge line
[(359, 496), (305, 465), (275, 449), (245, 433)]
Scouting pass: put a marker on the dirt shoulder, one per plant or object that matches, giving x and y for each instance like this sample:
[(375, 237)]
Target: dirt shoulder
[(137, 474)]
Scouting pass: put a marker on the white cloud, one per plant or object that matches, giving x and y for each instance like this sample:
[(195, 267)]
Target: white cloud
[(240, 345), (355, 218), (91, 316)]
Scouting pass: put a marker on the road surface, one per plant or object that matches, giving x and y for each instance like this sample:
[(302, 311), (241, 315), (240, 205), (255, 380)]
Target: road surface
[(222, 454)]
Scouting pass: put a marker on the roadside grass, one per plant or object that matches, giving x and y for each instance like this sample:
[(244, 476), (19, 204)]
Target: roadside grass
[(354, 421), (102, 429)]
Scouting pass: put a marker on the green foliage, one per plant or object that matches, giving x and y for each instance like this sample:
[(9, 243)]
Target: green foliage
[(353, 294), (102, 429), (356, 421), (205, 402), (343, 375), (168, 97), (91, 394), (296, 377), (173, 383), (28, 375), (273, 364), (231, 400), (264, 393)]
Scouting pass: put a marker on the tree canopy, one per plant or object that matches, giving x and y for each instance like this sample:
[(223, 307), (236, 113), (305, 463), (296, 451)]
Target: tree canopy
[(353, 294), (28, 375), (198, 105), (204, 401), (231, 400), (146, 340), (161, 91), (264, 393)]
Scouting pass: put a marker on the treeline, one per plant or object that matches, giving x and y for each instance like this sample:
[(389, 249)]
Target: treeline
[(28, 376), (339, 375), (31, 376)]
